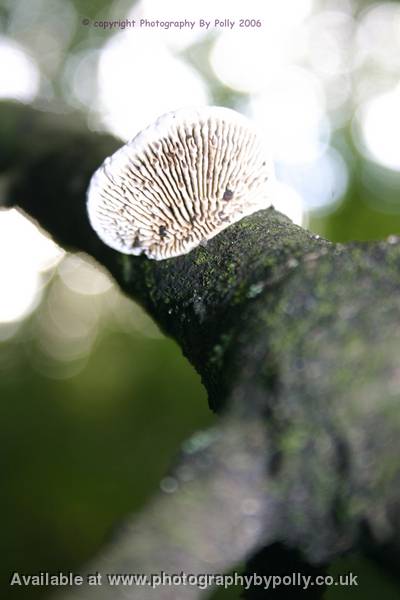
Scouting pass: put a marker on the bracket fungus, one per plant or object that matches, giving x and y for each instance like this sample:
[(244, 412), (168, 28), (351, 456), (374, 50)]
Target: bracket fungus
[(179, 182)]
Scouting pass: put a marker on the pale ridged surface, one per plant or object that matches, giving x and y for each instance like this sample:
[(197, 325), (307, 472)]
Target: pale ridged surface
[(180, 182)]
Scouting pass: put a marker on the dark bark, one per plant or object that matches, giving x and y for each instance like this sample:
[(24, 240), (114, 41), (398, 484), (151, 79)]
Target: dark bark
[(297, 342)]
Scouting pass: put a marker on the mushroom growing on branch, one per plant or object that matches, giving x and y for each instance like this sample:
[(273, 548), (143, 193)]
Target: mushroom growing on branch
[(179, 182)]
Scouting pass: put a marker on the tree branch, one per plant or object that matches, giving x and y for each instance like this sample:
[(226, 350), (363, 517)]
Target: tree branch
[(296, 340)]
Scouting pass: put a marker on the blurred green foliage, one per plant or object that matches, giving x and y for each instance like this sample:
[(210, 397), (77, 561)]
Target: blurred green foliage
[(79, 454)]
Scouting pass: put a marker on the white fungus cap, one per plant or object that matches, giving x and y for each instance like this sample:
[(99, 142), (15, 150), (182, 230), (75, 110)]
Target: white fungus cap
[(180, 182)]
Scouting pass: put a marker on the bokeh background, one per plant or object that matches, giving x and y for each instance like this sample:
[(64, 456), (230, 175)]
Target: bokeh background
[(94, 401)]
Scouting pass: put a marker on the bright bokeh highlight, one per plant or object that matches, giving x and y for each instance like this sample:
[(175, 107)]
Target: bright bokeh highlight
[(139, 80), (379, 123), (291, 114), (289, 202), (19, 75), (25, 256)]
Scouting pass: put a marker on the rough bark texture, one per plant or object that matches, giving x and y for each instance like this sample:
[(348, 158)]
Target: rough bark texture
[(297, 342)]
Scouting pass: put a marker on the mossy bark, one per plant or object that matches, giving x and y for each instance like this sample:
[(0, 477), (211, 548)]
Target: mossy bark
[(296, 339)]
